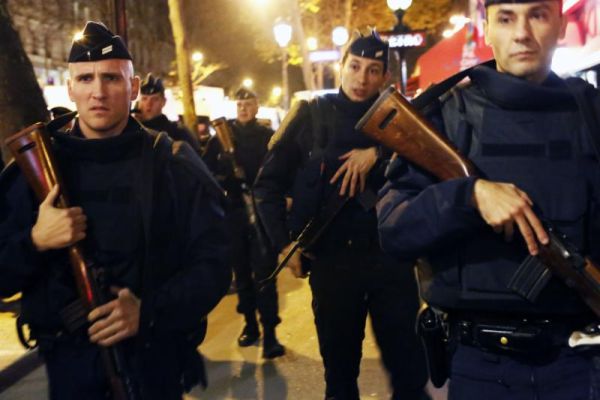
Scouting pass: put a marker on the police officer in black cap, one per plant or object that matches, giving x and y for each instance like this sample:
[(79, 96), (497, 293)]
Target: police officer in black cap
[(150, 106), (250, 263), (527, 131), (150, 223), (315, 155), (202, 131)]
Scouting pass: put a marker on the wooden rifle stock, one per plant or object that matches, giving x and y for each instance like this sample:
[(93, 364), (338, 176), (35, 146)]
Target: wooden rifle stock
[(397, 124), (225, 137), (33, 154)]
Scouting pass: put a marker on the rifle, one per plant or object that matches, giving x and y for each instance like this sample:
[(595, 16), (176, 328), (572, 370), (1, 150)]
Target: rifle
[(317, 225), (225, 137), (33, 153), (394, 122), (311, 232)]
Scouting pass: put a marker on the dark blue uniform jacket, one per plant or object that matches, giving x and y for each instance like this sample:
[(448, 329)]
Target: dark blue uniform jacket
[(180, 275), (530, 135)]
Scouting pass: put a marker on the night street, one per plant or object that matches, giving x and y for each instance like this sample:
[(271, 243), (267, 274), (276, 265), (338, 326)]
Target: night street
[(234, 372)]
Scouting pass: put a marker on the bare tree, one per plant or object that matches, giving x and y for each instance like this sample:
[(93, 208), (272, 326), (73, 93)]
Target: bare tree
[(21, 99), (182, 56)]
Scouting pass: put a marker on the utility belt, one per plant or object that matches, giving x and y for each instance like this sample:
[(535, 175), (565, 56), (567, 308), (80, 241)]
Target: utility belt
[(513, 335), (525, 335)]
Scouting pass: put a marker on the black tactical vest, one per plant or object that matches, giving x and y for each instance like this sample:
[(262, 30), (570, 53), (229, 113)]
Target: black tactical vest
[(531, 136)]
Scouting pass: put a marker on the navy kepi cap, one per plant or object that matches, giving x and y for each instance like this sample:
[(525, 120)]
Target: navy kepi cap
[(371, 46), (98, 43), (152, 85)]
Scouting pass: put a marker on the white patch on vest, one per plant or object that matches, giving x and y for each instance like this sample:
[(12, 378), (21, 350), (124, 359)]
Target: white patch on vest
[(107, 49)]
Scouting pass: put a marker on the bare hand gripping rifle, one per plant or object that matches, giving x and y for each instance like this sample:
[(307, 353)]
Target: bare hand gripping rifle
[(225, 137), (395, 123), (33, 154)]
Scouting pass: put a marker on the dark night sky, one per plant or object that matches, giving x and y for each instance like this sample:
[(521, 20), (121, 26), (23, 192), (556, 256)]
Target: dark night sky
[(224, 32)]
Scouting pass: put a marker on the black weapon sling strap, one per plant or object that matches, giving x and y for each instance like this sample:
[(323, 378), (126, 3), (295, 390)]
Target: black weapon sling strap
[(155, 151), (434, 92), (590, 119)]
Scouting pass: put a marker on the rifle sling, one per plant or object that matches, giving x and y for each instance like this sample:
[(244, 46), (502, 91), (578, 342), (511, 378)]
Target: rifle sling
[(145, 191), (590, 119), (437, 90)]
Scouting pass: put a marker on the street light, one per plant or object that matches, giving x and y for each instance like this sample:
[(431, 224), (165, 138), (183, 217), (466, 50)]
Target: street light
[(399, 7), (197, 56), (276, 92), (248, 83), (396, 5), (340, 36), (78, 36), (283, 34), (312, 43)]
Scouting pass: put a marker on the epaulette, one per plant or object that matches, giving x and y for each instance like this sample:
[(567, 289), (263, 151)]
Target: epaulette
[(290, 122), (184, 153)]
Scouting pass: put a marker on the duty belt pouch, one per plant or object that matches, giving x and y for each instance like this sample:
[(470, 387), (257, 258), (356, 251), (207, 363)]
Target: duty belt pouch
[(435, 340), (514, 339)]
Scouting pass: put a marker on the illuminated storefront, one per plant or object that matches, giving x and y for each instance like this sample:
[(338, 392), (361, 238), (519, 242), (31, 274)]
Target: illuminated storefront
[(579, 53)]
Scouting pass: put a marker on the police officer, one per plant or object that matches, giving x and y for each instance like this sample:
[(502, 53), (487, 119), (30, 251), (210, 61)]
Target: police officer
[(522, 126), (202, 131), (316, 155), (150, 105), (149, 221), (250, 262)]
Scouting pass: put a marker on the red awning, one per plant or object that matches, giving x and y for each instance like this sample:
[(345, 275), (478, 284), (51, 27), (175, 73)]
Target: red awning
[(452, 55)]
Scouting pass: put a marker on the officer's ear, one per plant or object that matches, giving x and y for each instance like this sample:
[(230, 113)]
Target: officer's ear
[(485, 30), (135, 87), (563, 24), (69, 83), (386, 75)]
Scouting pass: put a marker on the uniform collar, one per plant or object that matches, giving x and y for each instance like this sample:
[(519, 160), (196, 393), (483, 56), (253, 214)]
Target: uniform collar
[(511, 92), (111, 148)]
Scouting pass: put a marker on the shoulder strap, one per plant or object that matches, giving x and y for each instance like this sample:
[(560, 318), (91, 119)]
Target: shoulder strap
[(435, 91), (146, 200), (590, 119), (183, 151), (323, 122)]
